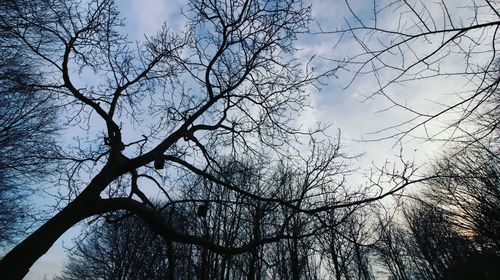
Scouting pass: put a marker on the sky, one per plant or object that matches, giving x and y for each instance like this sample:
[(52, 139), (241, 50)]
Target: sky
[(342, 108)]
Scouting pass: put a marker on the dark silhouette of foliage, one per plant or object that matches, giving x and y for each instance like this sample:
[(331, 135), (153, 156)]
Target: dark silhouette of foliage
[(468, 189), (27, 131), (450, 229), (480, 266)]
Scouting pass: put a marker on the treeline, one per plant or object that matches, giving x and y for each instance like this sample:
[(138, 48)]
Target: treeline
[(448, 229)]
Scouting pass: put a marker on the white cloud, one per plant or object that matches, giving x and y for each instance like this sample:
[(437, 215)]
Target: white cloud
[(144, 17)]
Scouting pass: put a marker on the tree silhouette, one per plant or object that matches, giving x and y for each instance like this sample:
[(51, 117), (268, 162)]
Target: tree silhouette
[(27, 131), (468, 189), (126, 248), (215, 105), (147, 115)]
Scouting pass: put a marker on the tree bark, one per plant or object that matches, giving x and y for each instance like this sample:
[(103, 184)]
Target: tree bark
[(16, 264)]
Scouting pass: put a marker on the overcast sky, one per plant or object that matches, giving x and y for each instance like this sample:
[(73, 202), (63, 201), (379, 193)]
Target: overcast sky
[(333, 104)]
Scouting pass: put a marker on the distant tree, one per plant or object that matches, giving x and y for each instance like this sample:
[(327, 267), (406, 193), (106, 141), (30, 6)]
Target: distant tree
[(127, 249), (434, 244), (429, 243), (468, 190), (121, 247), (27, 130), (410, 249), (478, 265), (345, 244), (392, 252), (232, 217), (224, 217)]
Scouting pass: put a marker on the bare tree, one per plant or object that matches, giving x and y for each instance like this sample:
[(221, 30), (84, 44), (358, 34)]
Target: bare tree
[(392, 251), (468, 190), (434, 244), (27, 127), (345, 243), (427, 244), (224, 217), (227, 87), (454, 43), (124, 249), (216, 214)]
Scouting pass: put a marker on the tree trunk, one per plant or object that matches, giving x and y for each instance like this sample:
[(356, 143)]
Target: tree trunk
[(294, 260), (16, 264), (171, 259)]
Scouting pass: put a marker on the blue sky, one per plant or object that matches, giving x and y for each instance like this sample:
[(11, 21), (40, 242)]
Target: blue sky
[(333, 104)]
